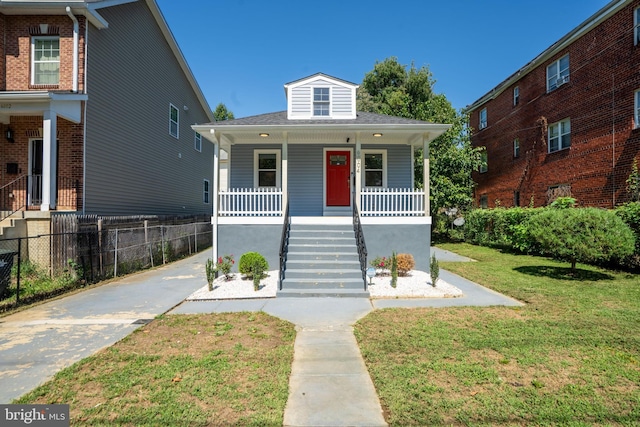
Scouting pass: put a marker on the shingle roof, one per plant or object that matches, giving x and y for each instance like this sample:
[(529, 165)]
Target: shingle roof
[(280, 119)]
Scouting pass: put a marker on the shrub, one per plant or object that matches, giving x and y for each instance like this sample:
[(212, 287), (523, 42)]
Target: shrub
[(380, 263), (394, 270), (500, 227), (210, 272), (257, 272), (406, 263), (247, 262), (435, 270), (563, 203), (224, 265), (587, 235)]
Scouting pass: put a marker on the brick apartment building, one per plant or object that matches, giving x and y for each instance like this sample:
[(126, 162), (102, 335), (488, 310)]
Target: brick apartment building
[(96, 103), (568, 122)]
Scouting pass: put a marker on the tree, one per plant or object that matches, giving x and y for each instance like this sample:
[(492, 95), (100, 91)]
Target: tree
[(397, 90), (221, 113), (586, 235)]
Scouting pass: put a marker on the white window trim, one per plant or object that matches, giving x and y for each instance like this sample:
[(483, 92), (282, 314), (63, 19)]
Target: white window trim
[(206, 192), (483, 123), (256, 157), (557, 78), (177, 122), (384, 165), (313, 102), (636, 26), (516, 95), (33, 60), (559, 125), (636, 108), (197, 142), (516, 148)]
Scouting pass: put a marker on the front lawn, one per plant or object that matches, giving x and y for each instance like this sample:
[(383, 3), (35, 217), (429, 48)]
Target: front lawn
[(570, 356), (179, 370)]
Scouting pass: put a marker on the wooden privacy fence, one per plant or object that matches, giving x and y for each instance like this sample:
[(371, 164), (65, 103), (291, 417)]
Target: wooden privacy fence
[(250, 202), (391, 202)]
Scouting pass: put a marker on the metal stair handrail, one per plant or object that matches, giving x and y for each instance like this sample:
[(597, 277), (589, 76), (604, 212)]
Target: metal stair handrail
[(284, 244), (362, 247)]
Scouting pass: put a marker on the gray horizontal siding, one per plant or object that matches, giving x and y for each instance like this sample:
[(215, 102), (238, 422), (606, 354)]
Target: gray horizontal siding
[(305, 180), (133, 165)]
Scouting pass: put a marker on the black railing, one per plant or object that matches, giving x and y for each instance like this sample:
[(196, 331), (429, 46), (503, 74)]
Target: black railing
[(284, 244), (362, 247), (26, 191)]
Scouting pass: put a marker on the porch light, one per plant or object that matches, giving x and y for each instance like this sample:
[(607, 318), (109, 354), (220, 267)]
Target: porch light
[(9, 134), (377, 134), (263, 134)]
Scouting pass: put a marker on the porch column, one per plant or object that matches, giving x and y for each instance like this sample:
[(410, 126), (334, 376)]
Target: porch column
[(285, 172), (214, 201), (49, 156), (358, 161), (425, 174)]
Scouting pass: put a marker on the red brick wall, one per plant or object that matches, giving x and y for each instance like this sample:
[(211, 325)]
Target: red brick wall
[(18, 50), (599, 101)]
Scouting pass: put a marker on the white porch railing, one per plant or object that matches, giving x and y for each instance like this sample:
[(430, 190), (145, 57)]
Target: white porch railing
[(391, 202), (250, 202)]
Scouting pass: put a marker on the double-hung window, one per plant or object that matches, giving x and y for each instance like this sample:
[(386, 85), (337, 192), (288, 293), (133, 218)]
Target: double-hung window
[(560, 135), (321, 101), (516, 96), (558, 73), (266, 164), (636, 27), (375, 168), (516, 147), (174, 120), (45, 60), (205, 191), (636, 109), (197, 142), (483, 118), (484, 159)]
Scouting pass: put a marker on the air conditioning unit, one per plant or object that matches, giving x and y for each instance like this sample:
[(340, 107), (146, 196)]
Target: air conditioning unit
[(562, 80)]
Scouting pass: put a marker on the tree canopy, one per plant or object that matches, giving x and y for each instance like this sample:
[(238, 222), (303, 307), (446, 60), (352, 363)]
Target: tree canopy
[(395, 89), (221, 113)]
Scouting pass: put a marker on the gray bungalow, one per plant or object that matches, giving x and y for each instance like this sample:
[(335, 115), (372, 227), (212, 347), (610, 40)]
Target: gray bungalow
[(312, 186)]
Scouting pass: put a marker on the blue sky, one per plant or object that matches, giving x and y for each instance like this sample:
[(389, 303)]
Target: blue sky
[(242, 52)]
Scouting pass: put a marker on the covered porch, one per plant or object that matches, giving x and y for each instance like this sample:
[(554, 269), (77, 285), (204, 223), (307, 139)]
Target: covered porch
[(40, 128)]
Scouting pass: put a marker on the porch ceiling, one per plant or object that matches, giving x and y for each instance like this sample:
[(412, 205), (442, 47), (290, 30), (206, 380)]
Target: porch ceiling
[(347, 135)]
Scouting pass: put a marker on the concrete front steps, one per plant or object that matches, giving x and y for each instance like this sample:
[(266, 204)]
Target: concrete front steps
[(322, 261)]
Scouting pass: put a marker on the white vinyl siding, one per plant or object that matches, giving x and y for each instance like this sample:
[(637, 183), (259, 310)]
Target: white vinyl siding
[(560, 136), (45, 60), (337, 100), (558, 73), (174, 121)]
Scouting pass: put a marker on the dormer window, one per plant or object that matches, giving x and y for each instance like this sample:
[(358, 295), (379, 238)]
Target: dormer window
[(321, 101)]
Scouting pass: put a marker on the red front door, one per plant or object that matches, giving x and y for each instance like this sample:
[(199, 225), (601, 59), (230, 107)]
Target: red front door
[(338, 178)]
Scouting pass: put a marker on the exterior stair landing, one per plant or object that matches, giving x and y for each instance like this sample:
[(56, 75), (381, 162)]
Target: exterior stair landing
[(322, 261)]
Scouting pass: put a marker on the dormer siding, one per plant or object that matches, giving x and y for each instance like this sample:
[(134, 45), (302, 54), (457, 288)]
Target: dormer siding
[(341, 99)]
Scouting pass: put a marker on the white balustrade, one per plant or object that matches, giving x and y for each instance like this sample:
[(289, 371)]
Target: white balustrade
[(391, 202), (250, 202)]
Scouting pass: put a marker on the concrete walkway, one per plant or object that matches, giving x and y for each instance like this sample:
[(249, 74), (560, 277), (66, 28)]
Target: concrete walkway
[(329, 383)]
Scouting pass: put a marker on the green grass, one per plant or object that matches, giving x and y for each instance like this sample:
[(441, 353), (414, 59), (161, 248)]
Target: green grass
[(570, 356), (224, 369)]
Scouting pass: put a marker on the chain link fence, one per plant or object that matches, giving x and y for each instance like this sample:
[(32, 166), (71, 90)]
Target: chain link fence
[(39, 267)]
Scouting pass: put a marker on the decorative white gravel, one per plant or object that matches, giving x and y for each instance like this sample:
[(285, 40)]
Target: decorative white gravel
[(416, 285)]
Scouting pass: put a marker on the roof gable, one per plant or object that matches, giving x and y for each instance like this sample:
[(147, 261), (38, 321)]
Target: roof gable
[(321, 97)]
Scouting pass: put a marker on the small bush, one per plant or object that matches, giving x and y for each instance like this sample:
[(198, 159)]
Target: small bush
[(586, 235), (406, 263), (435, 270), (247, 262), (394, 270), (210, 271)]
